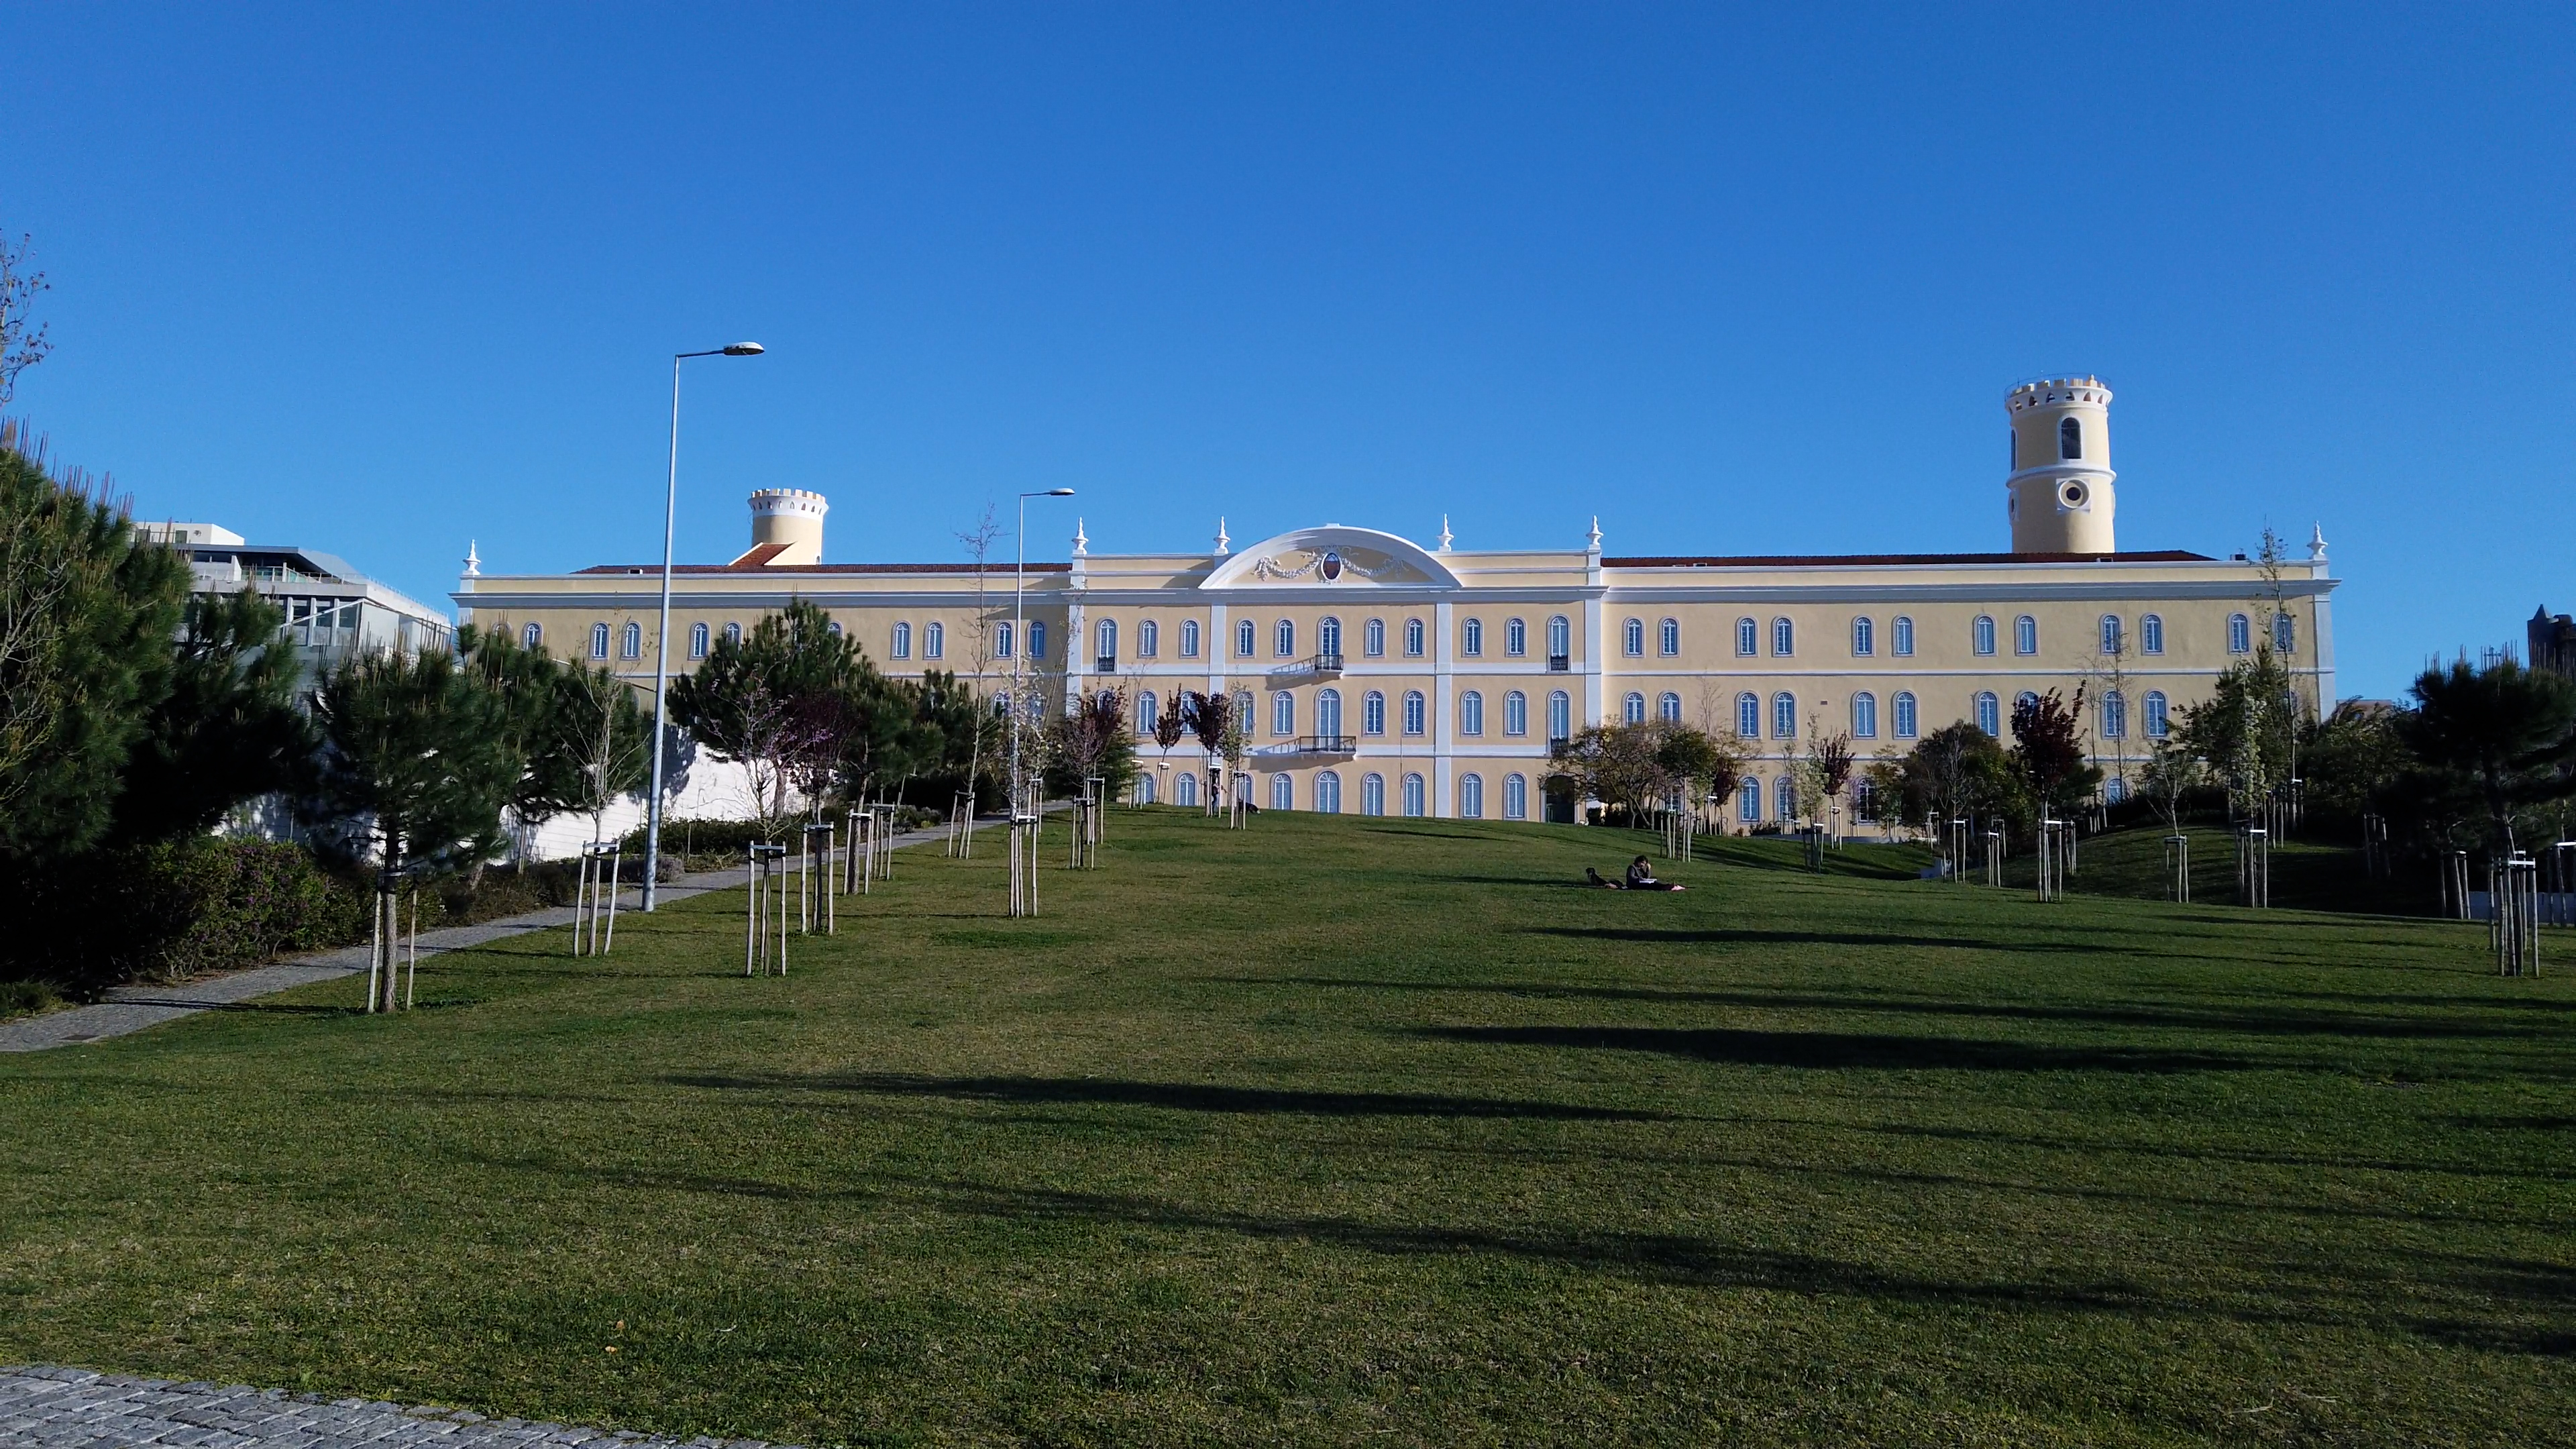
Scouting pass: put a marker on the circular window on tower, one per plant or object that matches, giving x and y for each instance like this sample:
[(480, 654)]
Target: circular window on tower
[(2072, 494)]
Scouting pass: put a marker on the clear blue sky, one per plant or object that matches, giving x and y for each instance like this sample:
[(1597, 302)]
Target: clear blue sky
[(382, 282)]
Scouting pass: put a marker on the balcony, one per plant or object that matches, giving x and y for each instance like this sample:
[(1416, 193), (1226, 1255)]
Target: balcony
[(1560, 664), (1336, 746), (1105, 664), (1326, 666)]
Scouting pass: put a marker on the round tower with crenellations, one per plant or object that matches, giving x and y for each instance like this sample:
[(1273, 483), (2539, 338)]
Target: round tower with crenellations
[(791, 518), (2059, 494)]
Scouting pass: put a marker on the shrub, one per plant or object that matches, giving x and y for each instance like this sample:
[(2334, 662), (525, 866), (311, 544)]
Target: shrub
[(25, 998), (172, 911)]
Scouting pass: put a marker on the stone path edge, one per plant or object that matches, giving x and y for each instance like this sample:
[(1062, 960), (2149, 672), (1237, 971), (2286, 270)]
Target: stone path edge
[(129, 1009), (46, 1407)]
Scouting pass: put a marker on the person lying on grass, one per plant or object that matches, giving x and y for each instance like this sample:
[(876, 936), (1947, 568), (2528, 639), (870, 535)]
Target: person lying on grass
[(1641, 877)]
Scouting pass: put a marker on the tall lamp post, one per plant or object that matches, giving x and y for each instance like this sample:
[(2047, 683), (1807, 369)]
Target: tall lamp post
[(1020, 630), (662, 637)]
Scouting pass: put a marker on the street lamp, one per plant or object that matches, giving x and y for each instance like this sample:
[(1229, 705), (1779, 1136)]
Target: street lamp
[(1020, 630), (662, 637)]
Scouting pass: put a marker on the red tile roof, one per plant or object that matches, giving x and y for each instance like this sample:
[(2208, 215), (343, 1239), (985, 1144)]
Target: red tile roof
[(1871, 560), (849, 568)]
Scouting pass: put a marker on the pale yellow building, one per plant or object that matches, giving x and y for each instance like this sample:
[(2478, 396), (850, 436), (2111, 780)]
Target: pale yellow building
[(1384, 677)]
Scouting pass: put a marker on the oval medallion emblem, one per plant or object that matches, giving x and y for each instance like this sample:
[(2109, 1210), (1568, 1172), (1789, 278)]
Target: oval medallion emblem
[(1332, 567)]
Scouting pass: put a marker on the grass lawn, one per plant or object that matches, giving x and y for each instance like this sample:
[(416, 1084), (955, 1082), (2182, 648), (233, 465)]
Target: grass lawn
[(1345, 1130)]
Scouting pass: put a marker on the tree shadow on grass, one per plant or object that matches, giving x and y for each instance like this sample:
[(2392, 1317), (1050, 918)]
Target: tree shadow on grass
[(1674, 1259), (1842, 1050), (2283, 1023), (1174, 1096)]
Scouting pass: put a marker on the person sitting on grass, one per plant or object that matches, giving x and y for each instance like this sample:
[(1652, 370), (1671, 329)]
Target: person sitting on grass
[(1641, 877)]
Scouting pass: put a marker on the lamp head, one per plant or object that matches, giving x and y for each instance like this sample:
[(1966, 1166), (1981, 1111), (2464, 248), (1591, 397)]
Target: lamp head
[(745, 349), (1059, 493)]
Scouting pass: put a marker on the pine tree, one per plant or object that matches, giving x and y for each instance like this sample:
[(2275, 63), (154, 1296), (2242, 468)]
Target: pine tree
[(226, 732), (417, 749)]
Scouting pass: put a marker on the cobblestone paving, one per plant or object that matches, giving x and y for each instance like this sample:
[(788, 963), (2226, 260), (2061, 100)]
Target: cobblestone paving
[(60, 1408)]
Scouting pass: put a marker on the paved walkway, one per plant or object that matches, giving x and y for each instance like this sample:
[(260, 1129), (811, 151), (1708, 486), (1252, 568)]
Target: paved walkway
[(132, 1008), (59, 1408)]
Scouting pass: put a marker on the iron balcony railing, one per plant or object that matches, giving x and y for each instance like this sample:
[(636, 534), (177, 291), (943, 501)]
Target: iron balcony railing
[(1105, 664), (1326, 663), (1560, 664), (1327, 745)]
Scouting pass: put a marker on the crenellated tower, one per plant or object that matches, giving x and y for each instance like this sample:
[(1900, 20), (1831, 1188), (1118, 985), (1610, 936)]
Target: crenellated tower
[(2059, 491)]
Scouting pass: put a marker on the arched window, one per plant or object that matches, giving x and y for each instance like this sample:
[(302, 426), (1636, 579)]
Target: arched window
[(1748, 715), (1560, 639), (1002, 640), (2024, 700), (1748, 802), (1002, 704), (1105, 635), (1982, 635), (1185, 790), (1668, 708), (1145, 714), (1413, 638), (1668, 637), (934, 640), (2025, 635), (1037, 640), (1908, 725), (1990, 713), (1149, 639), (1328, 713), (1471, 713), (2113, 637), (2156, 726), (630, 643), (599, 641), (1632, 638), (2151, 634), (1471, 797), (1189, 638), (2115, 716), (1242, 709), (1328, 793), (1784, 716), (1283, 639), (1864, 716), (1372, 793), (1632, 710), (1244, 638), (1413, 712), (1413, 796), (2285, 634), (2240, 634), (1560, 716), (1784, 639), (697, 641), (1515, 638), (1144, 789), (733, 634), (1901, 636), (1283, 714), (835, 627), (1471, 638), (1864, 799), (534, 635), (1748, 638), (1864, 637), (1372, 713), (1515, 798), (1373, 639), (2070, 438), (1515, 713), (1283, 793), (1328, 637), (1785, 795), (2114, 790)]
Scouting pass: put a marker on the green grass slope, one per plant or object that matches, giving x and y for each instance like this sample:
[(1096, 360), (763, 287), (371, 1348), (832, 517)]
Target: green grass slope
[(1356, 1130)]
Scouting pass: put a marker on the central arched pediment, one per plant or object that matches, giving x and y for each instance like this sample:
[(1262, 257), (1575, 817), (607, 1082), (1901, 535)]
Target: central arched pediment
[(1333, 557)]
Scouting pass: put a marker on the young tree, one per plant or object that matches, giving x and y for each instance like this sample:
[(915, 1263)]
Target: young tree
[(2243, 730), (1957, 772), (2505, 732), (2048, 751), (1093, 740), (1825, 771), (1211, 719), (87, 611), (416, 749), (1171, 726), (528, 684), (601, 744), (758, 702), (2170, 775), (2352, 757)]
